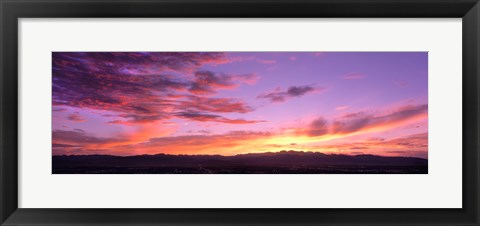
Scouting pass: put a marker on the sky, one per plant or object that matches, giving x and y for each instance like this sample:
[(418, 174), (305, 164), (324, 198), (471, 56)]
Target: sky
[(229, 103)]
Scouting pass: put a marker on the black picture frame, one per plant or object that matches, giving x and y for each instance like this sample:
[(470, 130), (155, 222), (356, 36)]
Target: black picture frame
[(12, 10)]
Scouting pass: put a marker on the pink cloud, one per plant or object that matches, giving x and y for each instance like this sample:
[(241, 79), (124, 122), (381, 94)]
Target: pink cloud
[(250, 79), (341, 108), (136, 88), (207, 82), (214, 105), (364, 122), (415, 145), (75, 117), (200, 117), (266, 61), (354, 76), (279, 95)]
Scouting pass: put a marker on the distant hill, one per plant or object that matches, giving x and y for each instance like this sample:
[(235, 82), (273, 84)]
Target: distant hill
[(270, 162)]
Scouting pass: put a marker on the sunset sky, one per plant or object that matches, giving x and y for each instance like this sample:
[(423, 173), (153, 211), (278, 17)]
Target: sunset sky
[(227, 103)]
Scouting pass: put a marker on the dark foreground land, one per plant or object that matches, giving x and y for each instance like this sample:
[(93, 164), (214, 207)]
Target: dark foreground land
[(285, 162)]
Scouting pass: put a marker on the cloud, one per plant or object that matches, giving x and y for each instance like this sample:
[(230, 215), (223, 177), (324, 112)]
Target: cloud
[(278, 95), (218, 105), (318, 127), (354, 76), (250, 79), (207, 82), (292, 58), (58, 109), (235, 142), (78, 138), (137, 62), (138, 119), (364, 122), (128, 95), (199, 144), (358, 148), (318, 54), (79, 130), (341, 108), (368, 121), (375, 139), (57, 145), (200, 117), (138, 87), (415, 141), (75, 117), (87, 142), (266, 61), (296, 91), (415, 145), (141, 142), (71, 142), (353, 114), (201, 106)]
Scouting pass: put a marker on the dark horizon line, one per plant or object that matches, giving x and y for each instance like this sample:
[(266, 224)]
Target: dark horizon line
[(251, 153)]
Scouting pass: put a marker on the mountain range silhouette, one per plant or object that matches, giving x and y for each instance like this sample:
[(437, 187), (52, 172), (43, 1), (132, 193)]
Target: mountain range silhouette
[(269, 162)]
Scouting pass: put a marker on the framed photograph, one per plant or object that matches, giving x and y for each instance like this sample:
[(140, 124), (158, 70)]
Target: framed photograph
[(239, 112)]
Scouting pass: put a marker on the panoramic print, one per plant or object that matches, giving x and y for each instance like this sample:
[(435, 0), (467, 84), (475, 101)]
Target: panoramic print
[(239, 112)]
